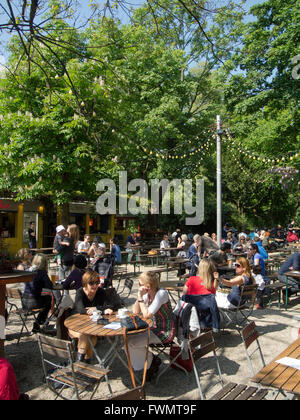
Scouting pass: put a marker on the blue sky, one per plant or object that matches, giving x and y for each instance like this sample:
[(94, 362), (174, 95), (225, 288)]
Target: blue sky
[(85, 9)]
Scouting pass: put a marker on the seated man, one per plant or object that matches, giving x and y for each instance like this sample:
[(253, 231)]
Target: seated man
[(194, 253), (291, 264), (219, 258)]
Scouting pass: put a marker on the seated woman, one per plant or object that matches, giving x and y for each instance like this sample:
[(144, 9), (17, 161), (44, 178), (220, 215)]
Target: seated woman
[(241, 245), (89, 298), (243, 277), (74, 280), (152, 303), (200, 291), (24, 256), (32, 297)]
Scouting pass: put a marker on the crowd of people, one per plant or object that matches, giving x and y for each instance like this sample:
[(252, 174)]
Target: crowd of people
[(205, 288)]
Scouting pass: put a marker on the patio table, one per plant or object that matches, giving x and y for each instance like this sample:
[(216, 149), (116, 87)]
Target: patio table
[(280, 376), (84, 325)]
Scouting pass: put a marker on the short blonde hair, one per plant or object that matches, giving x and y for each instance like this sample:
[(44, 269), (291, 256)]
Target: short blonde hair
[(150, 279), (184, 237), (40, 261), (21, 254)]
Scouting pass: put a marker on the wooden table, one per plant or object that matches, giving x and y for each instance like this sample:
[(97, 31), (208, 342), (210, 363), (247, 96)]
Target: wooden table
[(84, 325), (16, 276), (280, 376)]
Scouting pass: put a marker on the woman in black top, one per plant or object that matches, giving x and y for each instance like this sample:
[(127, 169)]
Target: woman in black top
[(89, 298), (32, 297)]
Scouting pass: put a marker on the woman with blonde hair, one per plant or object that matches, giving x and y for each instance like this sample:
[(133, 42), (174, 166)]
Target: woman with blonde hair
[(152, 303), (32, 297), (243, 278), (200, 291), (24, 256)]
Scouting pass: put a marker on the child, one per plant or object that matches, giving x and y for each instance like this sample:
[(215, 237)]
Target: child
[(256, 271)]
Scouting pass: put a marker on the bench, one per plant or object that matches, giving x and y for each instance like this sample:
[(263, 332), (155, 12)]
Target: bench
[(276, 287)]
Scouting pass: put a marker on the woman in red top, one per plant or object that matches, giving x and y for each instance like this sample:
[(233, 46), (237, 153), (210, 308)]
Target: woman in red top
[(200, 291)]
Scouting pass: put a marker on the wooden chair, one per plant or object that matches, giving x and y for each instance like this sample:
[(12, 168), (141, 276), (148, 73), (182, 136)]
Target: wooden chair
[(249, 336), (238, 392), (239, 316), (65, 373), (23, 314), (200, 347)]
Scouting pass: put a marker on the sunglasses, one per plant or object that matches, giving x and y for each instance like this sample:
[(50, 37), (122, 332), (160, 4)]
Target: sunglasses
[(237, 265), (94, 283)]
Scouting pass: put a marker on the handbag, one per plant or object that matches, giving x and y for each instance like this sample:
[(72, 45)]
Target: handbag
[(186, 364), (133, 322)]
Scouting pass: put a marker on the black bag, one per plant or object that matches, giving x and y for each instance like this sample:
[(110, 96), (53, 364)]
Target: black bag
[(133, 323)]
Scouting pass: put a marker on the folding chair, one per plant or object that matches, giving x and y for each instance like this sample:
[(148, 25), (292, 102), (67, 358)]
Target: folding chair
[(249, 335), (175, 352), (199, 347), (24, 314), (239, 315), (65, 374), (127, 288), (239, 392)]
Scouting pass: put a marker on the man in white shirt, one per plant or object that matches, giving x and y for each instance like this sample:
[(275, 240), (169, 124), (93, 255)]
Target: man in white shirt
[(164, 245), (85, 245)]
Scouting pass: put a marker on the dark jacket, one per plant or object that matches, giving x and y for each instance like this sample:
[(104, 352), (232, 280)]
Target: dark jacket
[(40, 281), (101, 301)]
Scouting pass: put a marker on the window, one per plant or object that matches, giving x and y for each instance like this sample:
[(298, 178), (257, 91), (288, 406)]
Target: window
[(8, 224)]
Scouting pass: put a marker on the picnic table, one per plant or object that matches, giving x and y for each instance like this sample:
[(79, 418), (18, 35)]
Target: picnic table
[(280, 376), (295, 275), (17, 276)]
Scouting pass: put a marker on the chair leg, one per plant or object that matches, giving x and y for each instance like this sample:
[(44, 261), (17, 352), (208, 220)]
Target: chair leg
[(198, 382)]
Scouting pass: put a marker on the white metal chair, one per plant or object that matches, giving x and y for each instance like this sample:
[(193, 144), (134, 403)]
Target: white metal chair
[(239, 316)]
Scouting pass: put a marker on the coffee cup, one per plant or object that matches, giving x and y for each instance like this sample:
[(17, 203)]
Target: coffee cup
[(96, 315), (122, 313)]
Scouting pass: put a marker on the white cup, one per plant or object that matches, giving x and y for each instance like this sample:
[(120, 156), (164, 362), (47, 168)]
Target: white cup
[(96, 315), (122, 313)]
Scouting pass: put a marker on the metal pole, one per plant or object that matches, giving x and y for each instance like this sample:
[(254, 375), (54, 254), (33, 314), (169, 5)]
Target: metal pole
[(219, 182)]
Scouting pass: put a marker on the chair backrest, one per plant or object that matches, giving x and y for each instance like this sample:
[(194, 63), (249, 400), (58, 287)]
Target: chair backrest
[(56, 347), (13, 293), (249, 334), (248, 294), (128, 283), (202, 345), (133, 394)]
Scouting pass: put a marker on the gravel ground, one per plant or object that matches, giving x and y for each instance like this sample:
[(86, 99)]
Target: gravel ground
[(277, 329)]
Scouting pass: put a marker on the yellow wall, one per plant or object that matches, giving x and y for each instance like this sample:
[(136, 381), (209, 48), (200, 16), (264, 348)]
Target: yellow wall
[(14, 244)]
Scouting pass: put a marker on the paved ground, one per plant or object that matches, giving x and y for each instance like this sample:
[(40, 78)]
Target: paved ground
[(277, 329)]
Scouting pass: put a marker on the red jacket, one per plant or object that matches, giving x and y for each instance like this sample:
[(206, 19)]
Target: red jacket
[(9, 390), (292, 237)]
